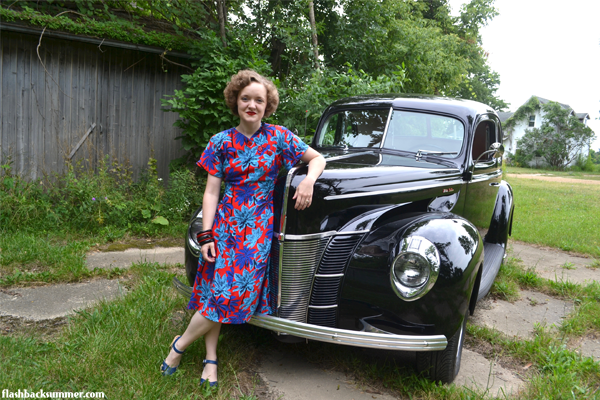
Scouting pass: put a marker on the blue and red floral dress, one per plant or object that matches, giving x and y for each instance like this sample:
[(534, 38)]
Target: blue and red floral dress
[(235, 286)]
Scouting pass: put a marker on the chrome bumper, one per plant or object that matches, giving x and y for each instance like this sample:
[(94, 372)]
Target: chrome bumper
[(340, 336)]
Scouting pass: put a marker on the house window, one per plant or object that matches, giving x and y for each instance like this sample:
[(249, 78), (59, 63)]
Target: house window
[(531, 121)]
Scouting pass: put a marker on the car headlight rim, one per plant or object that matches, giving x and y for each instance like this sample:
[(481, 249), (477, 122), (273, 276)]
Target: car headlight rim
[(415, 269), (194, 227)]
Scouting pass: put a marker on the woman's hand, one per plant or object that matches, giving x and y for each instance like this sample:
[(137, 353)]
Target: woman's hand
[(208, 252), (304, 193)]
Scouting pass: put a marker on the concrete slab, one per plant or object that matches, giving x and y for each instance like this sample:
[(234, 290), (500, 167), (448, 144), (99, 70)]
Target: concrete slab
[(124, 259), (290, 377), (587, 347), (518, 319), (48, 302), (554, 264), (485, 376)]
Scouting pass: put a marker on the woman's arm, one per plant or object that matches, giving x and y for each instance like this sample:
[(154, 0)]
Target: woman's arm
[(209, 209), (304, 191)]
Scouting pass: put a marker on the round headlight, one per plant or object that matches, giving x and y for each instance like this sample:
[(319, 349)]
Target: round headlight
[(411, 269), (415, 269)]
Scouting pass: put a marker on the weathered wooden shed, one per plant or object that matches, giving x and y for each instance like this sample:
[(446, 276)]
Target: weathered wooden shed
[(66, 97)]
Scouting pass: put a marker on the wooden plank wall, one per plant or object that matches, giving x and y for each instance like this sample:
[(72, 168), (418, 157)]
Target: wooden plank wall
[(45, 111)]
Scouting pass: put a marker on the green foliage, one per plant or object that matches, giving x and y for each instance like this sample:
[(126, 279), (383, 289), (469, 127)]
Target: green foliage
[(522, 114), (304, 106), (89, 24), (98, 201), (583, 163), (442, 54), (559, 139), (200, 104), (362, 43), (595, 156)]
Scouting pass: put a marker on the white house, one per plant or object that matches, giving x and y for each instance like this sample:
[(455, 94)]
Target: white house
[(532, 119)]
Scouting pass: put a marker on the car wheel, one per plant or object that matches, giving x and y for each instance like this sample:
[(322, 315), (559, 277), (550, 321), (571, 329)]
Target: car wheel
[(444, 365)]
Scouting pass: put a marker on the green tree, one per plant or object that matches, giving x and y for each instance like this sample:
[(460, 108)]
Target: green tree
[(442, 54), (560, 138), (200, 104), (595, 156)]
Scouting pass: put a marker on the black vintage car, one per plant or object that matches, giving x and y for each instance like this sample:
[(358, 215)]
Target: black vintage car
[(407, 230)]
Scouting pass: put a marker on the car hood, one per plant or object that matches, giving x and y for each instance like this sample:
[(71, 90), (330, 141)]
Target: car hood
[(362, 181)]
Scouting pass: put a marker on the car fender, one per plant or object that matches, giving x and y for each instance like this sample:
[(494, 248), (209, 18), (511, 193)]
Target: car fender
[(367, 294), (501, 223)]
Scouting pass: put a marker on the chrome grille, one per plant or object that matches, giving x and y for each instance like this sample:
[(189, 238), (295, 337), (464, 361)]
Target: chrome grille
[(328, 279), (274, 276), (298, 261)]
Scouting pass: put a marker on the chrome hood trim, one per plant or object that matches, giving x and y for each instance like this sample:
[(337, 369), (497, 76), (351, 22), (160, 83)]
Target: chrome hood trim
[(440, 183)]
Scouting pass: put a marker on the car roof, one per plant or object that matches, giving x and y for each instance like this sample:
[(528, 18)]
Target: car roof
[(417, 102)]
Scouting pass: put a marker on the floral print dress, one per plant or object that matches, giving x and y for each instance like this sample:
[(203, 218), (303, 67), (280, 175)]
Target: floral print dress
[(235, 286)]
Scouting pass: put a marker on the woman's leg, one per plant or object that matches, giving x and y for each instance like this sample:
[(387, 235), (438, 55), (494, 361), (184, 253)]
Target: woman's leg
[(211, 339), (199, 325)]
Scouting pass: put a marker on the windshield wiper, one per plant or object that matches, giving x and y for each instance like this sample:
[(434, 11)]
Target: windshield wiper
[(421, 153)]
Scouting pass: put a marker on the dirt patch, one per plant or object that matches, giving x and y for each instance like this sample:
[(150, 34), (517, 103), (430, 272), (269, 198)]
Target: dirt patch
[(551, 178), (495, 352), (140, 243), (124, 259), (18, 327)]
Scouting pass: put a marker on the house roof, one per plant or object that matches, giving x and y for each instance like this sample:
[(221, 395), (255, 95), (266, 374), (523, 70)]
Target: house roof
[(582, 116), (545, 101), (504, 115)]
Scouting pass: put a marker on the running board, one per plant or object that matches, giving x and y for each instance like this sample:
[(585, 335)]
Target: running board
[(493, 254)]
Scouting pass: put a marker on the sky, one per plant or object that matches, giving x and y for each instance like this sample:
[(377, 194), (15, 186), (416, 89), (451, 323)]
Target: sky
[(547, 48)]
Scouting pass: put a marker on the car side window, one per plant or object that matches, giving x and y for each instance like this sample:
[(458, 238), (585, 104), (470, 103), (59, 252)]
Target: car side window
[(485, 135)]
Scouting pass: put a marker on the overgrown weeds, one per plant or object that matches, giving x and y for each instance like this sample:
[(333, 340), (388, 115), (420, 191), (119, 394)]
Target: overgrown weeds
[(47, 225), (104, 201)]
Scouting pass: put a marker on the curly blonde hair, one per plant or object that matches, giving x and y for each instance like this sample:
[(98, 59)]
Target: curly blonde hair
[(244, 78)]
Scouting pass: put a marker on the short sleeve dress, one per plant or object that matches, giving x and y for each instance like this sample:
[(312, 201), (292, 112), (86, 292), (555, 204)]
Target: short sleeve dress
[(235, 286)]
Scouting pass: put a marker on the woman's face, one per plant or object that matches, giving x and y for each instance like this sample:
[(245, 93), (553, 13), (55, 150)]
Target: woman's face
[(252, 102)]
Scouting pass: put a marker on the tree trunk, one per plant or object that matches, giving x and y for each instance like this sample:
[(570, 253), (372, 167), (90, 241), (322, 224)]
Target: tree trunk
[(222, 13), (313, 26)]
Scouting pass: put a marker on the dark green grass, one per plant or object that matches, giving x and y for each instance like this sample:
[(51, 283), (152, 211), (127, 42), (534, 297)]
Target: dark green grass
[(117, 348), (31, 257)]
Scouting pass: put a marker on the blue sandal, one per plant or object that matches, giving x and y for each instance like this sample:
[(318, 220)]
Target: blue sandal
[(166, 370), (211, 384)]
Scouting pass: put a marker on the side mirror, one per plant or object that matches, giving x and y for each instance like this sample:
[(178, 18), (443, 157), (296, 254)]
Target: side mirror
[(496, 148)]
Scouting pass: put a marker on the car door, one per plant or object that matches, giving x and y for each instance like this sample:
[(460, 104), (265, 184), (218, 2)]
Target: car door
[(484, 175)]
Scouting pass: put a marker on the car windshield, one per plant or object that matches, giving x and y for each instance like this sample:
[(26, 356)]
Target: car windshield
[(354, 128), (407, 131)]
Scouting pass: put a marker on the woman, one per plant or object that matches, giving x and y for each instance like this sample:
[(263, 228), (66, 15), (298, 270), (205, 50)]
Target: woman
[(231, 283)]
